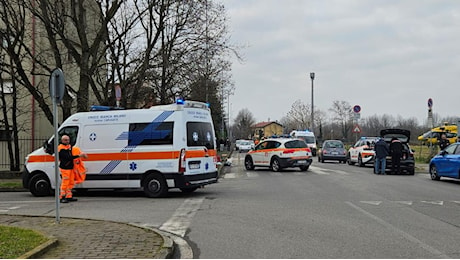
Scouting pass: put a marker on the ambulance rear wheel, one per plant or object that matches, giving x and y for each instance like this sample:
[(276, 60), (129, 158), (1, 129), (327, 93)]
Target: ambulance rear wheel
[(39, 185), (155, 186)]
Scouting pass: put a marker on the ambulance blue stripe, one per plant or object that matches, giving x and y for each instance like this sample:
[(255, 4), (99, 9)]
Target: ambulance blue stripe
[(111, 166), (125, 136)]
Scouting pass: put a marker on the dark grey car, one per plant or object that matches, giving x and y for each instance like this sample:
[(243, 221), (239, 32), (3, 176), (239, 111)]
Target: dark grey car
[(332, 150)]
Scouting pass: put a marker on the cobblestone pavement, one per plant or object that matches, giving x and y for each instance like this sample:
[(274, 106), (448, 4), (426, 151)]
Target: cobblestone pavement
[(84, 238)]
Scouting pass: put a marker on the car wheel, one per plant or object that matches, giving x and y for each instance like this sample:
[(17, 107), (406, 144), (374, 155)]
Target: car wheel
[(275, 165), (304, 168), (434, 173), (360, 161), (248, 163), (39, 185), (349, 160), (155, 186)]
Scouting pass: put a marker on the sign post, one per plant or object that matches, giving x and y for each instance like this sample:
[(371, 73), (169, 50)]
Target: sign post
[(57, 88), (357, 116), (431, 122)]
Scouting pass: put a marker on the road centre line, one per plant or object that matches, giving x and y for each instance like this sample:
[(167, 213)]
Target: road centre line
[(182, 217), (434, 251)]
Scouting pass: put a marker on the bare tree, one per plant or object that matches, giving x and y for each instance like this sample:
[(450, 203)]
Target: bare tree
[(342, 115), (298, 116), (242, 127)]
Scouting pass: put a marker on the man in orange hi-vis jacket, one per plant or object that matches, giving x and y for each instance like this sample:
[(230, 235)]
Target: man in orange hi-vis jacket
[(66, 165)]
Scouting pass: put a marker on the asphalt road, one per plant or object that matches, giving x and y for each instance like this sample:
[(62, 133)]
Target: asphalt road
[(331, 211)]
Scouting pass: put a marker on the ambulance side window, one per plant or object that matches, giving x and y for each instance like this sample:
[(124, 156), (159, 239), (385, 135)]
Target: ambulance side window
[(71, 131), (153, 133), (200, 134)]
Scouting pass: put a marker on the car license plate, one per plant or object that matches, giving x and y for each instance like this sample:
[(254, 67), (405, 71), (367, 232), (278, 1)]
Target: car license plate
[(335, 153), (194, 166), (302, 162)]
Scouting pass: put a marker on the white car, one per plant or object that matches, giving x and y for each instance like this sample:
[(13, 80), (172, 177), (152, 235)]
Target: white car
[(246, 146), (362, 152), (279, 153), (238, 143)]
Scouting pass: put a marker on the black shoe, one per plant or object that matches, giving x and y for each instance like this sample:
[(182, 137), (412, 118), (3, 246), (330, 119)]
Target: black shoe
[(71, 199), (64, 200)]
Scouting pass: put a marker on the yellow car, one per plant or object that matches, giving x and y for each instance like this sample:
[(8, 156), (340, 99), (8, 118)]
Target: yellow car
[(433, 136)]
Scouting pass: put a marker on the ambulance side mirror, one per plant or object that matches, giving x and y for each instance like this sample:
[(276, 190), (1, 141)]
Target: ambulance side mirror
[(49, 147)]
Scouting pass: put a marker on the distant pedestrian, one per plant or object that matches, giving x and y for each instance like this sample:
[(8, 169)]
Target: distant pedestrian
[(382, 150), (396, 149), (443, 142)]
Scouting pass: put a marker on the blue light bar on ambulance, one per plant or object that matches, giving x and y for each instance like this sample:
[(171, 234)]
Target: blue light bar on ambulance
[(104, 108), (180, 101)]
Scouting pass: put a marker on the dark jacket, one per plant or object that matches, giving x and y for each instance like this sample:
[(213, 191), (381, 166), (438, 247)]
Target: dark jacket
[(65, 157), (396, 148), (381, 149), (443, 143)]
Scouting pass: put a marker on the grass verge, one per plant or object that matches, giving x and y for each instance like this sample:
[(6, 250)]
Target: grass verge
[(10, 183), (15, 241)]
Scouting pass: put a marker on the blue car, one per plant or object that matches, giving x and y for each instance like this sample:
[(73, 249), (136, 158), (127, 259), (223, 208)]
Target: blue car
[(446, 163)]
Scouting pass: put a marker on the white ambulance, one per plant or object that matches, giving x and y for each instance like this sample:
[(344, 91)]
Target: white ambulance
[(308, 137), (156, 149)]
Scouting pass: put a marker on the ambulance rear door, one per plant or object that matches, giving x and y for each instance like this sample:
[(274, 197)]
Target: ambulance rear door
[(201, 143)]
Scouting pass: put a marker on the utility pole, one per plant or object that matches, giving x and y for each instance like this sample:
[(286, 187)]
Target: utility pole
[(312, 76)]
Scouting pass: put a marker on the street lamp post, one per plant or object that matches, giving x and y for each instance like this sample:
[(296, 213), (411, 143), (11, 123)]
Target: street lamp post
[(312, 76)]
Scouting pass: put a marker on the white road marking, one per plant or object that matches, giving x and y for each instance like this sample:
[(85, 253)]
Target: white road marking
[(252, 174), (375, 203), (434, 202), (229, 176), (434, 251), (404, 202), (182, 217)]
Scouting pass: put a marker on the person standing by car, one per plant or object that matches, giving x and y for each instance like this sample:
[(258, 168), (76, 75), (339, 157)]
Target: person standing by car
[(443, 142), (396, 149), (381, 151), (66, 166)]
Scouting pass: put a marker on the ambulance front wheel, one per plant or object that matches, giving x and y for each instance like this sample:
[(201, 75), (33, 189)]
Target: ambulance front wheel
[(39, 185), (155, 186)]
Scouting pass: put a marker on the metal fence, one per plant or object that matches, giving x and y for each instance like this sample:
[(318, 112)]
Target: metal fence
[(26, 146)]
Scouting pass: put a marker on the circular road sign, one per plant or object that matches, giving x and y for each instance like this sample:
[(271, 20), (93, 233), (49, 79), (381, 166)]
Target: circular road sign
[(430, 103), (356, 109), (118, 92)]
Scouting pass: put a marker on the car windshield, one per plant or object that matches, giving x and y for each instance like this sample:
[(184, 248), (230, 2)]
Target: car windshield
[(334, 145), (295, 144), (245, 143)]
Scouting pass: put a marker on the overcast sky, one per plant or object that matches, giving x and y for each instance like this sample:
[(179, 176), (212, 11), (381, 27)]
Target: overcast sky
[(386, 56)]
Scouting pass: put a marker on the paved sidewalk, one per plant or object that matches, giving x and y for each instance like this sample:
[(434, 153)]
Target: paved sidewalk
[(85, 238)]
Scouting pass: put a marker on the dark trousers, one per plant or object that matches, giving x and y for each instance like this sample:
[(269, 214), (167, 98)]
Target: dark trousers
[(396, 163)]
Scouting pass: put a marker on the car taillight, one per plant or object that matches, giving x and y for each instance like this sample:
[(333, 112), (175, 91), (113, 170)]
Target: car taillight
[(289, 151), (324, 151), (182, 162)]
